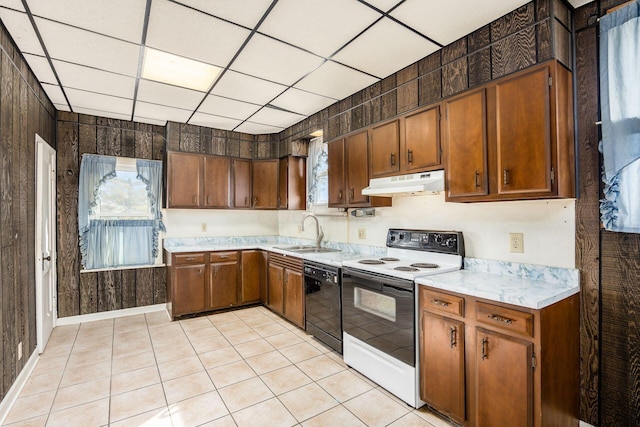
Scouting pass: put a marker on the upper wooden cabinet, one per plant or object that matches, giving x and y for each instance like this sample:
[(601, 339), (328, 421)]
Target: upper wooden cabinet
[(217, 182), (513, 138), (241, 170), (292, 183), (385, 148), (197, 181), (349, 172), (265, 184)]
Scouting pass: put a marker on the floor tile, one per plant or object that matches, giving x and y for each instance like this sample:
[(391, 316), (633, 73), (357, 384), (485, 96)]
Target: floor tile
[(30, 406), (86, 373), (299, 352), (195, 323), (221, 318), (187, 387), (48, 364), (39, 421), (319, 367), (92, 414), (128, 381), (253, 348), (244, 394), (268, 362), (132, 362), (202, 333), (344, 385), (81, 393), (431, 418), (284, 339), (285, 379), (411, 420), (157, 318), (198, 410), (205, 345), (136, 402), (336, 416), (89, 357), (170, 354), (270, 329), (220, 357), (265, 414), (159, 417), (376, 409), (226, 421), (58, 349), (243, 337), (180, 368), (41, 383), (307, 401), (257, 320), (232, 373), (233, 328)]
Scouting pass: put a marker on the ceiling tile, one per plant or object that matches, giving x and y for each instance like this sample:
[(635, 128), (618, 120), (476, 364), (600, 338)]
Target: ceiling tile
[(158, 122), (302, 102), (272, 60), (21, 30), (102, 113), (226, 107), (383, 5), (85, 78), (256, 128), (341, 21), (161, 112), (123, 19), (97, 101), (172, 96), (54, 93), (335, 80), (247, 88), (434, 20), (243, 12), (90, 49), (385, 48), (61, 107), (13, 4), (41, 68), (275, 117), (215, 122), (192, 34)]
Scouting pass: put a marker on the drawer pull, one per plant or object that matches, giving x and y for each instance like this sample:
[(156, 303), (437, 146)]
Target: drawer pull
[(440, 302), (409, 156), (453, 336), (223, 256), (485, 354), (505, 176), (191, 258), (501, 319)]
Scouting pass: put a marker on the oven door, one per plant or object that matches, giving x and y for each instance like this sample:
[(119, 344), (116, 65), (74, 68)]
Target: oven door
[(379, 310)]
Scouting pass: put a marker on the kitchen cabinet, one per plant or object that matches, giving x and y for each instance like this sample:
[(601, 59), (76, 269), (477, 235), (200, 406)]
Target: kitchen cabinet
[(349, 173), (486, 363), (187, 283), (253, 275), (265, 184), (513, 138), (385, 148), (286, 288), (292, 183), (197, 181), (223, 279), (241, 169)]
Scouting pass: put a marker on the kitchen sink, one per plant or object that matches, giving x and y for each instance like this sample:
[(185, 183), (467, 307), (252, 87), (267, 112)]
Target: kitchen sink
[(306, 249), (295, 247)]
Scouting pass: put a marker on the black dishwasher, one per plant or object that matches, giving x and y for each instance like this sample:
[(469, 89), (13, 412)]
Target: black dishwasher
[(322, 284)]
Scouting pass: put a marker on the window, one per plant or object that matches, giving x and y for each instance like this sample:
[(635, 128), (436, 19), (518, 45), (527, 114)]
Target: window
[(119, 215), (318, 168)]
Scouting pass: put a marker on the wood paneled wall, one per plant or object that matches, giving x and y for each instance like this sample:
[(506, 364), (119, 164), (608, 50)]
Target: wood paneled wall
[(24, 111), (84, 293)]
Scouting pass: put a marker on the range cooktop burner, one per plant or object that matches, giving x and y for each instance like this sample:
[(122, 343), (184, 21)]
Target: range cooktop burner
[(370, 261), (424, 265), (405, 268), (387, 258)]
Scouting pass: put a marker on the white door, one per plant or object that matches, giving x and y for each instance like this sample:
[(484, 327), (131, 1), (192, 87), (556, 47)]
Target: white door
[(45, 241)]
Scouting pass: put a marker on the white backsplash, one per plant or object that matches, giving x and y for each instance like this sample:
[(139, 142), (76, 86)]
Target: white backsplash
[(219, 222)]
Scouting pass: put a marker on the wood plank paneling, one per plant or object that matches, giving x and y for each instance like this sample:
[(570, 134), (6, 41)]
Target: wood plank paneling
[(407, 93)]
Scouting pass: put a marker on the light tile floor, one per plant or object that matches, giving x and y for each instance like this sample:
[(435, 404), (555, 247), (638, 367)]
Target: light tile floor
[(243, 368)]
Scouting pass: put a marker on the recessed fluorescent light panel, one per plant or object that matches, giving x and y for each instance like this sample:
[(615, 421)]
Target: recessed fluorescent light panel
[(178, 71)]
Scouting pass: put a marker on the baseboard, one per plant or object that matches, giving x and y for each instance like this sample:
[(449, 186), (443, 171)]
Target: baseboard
[(74, 320), (16, 387)]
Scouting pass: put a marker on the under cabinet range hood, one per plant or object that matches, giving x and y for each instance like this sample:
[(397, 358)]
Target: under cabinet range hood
[(404, 185)]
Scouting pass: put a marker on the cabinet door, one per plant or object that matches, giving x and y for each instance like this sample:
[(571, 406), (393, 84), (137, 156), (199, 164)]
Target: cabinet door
[(466, 140), (294, 297), (251, 276), (184, 180), (217, 182), (504, 380), (188, 289), (223, 284), (336, 173), (265, 184), (283, 182), (420, 142), (241, 183), (293, 195), (357, 168), (275, 288), (385, 146), (524, 134), (442, 379)]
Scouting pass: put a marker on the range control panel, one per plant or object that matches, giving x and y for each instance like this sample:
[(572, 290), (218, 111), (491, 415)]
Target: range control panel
[(446, 242)]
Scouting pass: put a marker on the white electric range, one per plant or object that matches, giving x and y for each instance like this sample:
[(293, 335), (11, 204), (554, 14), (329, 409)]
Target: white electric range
[(379, 306)]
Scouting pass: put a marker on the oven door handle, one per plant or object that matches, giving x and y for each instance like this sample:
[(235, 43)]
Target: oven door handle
[(399, 292), (375, 281)]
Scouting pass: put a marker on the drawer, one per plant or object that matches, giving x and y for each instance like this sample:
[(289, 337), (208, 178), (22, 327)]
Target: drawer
[(505, 318), (438, 301), (223, 256), (191, 258)]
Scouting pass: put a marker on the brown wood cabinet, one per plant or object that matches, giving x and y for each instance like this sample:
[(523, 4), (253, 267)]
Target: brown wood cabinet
[(513, 138), (241, 169), (385, 149), (223, 279), (349, 172), (253, 275), (286, 288), (187, 283), (292, 183), (484, 363), (197, 181), (264, 184)]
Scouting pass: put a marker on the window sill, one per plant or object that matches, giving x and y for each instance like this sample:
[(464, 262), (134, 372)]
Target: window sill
[(128, 267)]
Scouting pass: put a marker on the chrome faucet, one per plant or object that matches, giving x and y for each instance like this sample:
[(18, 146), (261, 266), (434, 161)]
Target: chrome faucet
[(319, 233)]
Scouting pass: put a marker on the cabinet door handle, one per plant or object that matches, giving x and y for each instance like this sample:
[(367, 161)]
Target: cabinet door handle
[(505, 176), (195, 199), (485, 343), (453, 336), (278, 202), (245, 200), (351, 194), (410, 156), (255, 201), (393, 159), (500, 319), (477, 179), (199, 272), (440, 302), (340, 195), (208, 199), (215, 272)]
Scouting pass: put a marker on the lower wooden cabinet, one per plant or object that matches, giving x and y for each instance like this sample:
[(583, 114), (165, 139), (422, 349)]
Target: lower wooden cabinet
[(286, 288), (253, 276), (488, 364), (223, 279)]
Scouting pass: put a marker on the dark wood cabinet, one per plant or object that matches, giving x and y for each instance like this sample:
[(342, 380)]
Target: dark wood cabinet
[(385, 149), (286, 288), (241, 169), (223, 279), (337, 169), (292, 183), (217, 182), (252, 276), (187, 283), (275, 287), (294, 296), (513, 138), (420, 147), (184, 180), (265, 184)]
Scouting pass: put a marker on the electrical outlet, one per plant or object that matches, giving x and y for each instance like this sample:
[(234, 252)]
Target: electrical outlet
[(20, 350), (204, 227), (362, 233), (516, 242)]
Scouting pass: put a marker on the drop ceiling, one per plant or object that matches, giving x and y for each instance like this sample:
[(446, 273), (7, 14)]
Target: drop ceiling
[(279, 61)]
